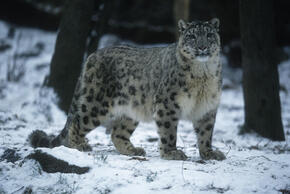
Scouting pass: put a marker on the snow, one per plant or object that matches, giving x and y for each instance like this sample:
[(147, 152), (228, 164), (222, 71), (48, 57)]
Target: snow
[(253, 165)]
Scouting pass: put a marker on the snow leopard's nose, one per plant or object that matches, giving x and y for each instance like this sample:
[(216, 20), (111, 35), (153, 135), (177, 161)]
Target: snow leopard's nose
[(202, 48)]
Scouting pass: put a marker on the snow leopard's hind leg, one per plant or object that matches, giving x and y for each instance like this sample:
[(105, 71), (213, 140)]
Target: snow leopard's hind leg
[(92, 104), (122, 129), (89, 108), (39, 138)]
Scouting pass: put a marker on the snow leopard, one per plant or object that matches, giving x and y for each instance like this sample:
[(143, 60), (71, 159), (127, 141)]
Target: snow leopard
[(121, 86)]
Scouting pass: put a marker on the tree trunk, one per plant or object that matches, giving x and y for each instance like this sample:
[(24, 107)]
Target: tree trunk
[(100, 27), (69, 50), (260, 74), (181, 10)]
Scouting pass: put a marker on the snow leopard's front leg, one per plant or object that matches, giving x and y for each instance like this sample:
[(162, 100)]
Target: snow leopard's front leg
[(204, 130), (167, 121)]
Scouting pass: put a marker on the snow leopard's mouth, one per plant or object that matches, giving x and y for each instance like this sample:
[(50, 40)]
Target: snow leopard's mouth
[(202, 58)]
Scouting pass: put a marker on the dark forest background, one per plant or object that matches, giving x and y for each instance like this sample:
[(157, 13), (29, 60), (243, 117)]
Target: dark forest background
[(144, 21), (253, 33), (148, 22)]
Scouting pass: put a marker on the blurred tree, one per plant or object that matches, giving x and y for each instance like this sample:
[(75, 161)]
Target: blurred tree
[(181, 10), (69, 50), (260, 74), (105, 9)]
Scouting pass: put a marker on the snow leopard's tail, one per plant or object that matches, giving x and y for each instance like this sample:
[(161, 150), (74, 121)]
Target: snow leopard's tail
[(40, 139)]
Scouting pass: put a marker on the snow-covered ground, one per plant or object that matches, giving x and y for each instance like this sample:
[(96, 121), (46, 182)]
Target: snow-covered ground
[(253, 164)]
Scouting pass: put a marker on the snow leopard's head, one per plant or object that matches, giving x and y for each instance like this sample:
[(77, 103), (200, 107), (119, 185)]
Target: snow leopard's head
[(199, 40)]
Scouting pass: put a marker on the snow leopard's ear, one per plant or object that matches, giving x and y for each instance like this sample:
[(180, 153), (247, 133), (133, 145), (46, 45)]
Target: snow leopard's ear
[(216, 23), (181, 25)]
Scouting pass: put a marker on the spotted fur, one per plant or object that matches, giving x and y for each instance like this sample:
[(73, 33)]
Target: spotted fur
[(123, 85)]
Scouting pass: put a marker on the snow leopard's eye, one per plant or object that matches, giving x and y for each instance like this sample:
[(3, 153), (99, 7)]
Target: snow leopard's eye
[(210, 36), (192, 36)]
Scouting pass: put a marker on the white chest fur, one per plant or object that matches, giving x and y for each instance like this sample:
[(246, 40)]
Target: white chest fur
[(202, 97)]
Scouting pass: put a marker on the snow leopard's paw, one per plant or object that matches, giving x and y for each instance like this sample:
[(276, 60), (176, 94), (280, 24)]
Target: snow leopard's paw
[(212, 155), (131, 151), (137, 151), (83, 147), (174, 155)]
